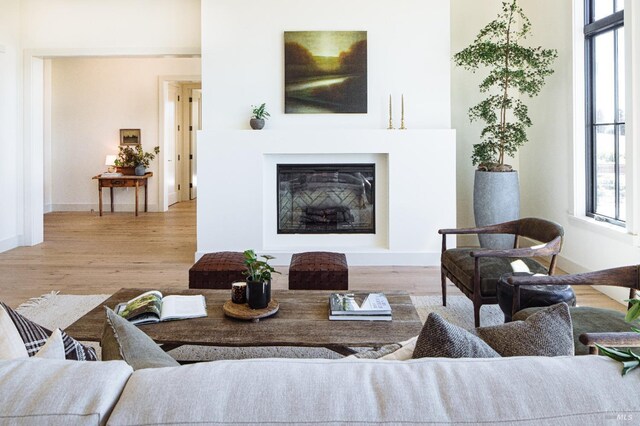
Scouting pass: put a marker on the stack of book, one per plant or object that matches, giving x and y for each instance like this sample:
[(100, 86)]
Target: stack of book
[(359, 307)]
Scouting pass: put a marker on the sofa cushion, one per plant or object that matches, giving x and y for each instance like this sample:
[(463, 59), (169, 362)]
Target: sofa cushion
[(439, 338), (546, 333), (122, 340), (35, 336), (11, 344), (585, 319), (461, 264), (517, 390), (53, 347), (59, 392)]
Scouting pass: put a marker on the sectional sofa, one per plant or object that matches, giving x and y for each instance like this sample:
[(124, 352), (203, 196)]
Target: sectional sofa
[(520, 390)]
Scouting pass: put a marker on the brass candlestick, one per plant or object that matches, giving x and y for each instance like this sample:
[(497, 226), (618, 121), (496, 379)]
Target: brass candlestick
[(390, 115), (402, 115)]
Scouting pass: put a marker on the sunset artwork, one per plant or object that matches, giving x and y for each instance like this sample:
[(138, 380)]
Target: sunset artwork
[(325, 72)]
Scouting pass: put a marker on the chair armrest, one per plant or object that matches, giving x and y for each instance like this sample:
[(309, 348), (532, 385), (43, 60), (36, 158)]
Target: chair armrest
[(549, 249), (500, 228), (625, 339)]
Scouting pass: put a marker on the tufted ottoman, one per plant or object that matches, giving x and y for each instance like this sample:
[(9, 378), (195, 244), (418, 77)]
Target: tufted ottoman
[(318, 270), (217, 270), (532, 295)]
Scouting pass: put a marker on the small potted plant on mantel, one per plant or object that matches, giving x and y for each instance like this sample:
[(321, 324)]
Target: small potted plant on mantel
[(259, 115), (258, 279), (133, 160)]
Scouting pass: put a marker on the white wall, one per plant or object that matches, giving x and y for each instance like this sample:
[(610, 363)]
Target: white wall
[(408, 52), (123, 26), (549, 160), (92, 99), (10, 131)]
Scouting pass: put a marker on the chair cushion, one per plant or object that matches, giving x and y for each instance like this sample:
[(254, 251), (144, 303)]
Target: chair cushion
[(587, 320), (461, 265)]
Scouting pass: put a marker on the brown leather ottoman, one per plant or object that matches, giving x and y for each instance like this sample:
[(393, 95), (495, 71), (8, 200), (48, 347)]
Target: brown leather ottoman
[(318, 270), (217, 270)]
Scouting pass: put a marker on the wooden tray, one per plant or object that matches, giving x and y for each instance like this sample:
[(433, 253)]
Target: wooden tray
[(242, 311)]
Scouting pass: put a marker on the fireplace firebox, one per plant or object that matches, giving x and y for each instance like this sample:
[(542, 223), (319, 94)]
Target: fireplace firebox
[(326, 198)]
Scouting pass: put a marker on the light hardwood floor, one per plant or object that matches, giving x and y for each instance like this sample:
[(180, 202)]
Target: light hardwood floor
[(84, 253)]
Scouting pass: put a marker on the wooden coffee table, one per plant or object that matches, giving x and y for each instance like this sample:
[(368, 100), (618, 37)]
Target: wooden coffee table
[(303, 320)]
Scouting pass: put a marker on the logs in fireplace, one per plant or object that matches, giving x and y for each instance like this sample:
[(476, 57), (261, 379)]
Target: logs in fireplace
[(326, 198)]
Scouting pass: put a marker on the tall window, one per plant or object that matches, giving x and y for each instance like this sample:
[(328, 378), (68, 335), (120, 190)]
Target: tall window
[(604, 43)]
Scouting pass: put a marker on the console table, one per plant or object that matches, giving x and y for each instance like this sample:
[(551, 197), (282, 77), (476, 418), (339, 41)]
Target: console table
[(125, 181)]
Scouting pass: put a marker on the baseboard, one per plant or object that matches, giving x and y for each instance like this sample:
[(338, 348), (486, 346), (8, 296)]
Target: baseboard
[(10, 243), (283, 258), (48, 208), (106, 208)]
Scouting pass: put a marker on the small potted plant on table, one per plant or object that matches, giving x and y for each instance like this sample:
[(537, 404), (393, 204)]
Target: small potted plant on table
[(259, 115), (133, 160), (258, 279)]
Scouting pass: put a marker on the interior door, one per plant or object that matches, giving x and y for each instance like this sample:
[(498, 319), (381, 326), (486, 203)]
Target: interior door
[(172, 135), (196, 120)]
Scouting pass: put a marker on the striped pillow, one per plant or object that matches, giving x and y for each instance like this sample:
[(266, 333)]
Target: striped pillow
[(35, 336)]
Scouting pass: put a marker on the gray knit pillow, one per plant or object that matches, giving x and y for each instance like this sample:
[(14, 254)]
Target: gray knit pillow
[(548, 332), (440, 339)]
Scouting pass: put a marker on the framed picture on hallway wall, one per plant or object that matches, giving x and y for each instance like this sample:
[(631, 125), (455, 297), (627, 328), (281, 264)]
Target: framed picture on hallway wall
[(325, 72), (130, 137)]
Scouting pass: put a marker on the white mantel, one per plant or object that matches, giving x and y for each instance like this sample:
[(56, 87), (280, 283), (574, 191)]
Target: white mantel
[(415, 191)]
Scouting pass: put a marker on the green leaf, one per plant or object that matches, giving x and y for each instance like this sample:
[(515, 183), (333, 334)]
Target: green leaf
[(634, 311)]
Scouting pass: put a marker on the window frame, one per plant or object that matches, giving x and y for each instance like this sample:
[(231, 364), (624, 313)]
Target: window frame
[(592, 29)]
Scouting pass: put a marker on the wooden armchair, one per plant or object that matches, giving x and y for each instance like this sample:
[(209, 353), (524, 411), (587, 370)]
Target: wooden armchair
[(476, 271), (590, 325)]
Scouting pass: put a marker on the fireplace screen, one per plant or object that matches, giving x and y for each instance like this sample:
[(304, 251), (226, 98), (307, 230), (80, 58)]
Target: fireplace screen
[(326, 198)]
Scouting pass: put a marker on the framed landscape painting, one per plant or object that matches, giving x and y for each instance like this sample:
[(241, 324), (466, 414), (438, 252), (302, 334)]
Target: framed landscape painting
[(325, 72)]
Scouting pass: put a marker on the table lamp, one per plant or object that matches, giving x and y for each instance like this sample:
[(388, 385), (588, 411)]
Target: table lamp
[(110, 161)]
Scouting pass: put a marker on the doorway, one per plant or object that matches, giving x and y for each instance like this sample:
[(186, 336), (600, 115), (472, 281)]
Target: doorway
[(181, 107)]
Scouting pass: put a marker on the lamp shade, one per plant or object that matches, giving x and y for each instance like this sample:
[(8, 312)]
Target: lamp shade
[(110, 160)]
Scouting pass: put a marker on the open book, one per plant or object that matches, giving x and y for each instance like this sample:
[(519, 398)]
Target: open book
[(152, 307)]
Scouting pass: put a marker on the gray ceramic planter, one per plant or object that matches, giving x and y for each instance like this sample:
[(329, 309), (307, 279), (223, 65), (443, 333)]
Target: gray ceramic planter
[(496, 199), (256, 123)]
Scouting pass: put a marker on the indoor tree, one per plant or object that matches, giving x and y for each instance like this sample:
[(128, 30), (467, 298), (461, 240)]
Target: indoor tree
[(514, 70)]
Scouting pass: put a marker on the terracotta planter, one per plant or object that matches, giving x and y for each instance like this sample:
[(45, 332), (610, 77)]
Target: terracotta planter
[(128, 171)]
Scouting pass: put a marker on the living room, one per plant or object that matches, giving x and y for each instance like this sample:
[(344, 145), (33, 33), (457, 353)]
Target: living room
[(424, 175)]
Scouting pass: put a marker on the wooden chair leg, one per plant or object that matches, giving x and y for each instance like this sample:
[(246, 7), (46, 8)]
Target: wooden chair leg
[(443, 277), (476, 313)]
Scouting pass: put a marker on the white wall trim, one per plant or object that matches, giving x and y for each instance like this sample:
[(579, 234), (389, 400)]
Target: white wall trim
[(578, 194), (106, 209), (10, 243), (362, 258)]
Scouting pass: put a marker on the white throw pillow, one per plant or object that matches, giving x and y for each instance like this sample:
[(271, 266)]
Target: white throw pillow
[(11, 344), (405, 352), (53, 348)]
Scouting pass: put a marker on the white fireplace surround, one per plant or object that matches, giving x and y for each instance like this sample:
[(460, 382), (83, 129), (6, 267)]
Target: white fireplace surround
[(415, 192)]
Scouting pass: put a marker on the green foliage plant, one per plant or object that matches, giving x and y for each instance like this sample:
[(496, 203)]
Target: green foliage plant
[(629, 359), (258, 270), (134, 156), (260, 112), (513, 70)]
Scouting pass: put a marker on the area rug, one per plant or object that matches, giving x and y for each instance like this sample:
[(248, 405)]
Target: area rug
[(55, 310)]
